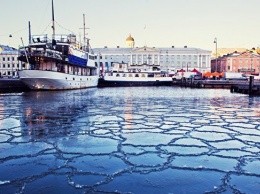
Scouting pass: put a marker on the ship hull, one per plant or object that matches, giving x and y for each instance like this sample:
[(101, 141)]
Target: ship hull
[(48, 80)]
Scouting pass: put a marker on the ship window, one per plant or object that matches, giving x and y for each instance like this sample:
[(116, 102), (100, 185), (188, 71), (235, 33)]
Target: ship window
[(130, 75), (136, 75), (117, 75)]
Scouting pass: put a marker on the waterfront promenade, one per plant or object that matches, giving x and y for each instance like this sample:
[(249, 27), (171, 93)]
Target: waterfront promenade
[(130, 140)]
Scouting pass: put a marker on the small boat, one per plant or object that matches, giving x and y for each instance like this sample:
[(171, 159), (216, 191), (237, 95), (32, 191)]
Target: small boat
[(58, 63), (122, 74)]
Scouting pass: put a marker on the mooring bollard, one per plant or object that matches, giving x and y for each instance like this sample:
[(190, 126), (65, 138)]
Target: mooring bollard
[(251, 84)]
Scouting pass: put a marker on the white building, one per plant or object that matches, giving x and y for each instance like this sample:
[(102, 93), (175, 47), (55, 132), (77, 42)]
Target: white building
[(8, 61), (170, 59)]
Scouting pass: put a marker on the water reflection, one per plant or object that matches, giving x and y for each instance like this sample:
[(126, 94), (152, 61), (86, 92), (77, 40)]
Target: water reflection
[(54, 113)]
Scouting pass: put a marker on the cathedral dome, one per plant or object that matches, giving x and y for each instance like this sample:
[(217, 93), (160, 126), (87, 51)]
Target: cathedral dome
[(130, 38)]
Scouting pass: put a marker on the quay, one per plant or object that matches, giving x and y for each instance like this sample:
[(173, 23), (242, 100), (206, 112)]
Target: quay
[(224, 84), (251, 87), (12, 85)]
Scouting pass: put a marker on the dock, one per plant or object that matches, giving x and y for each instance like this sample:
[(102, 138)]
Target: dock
[(12, 85), (224, 84), (250, 87)]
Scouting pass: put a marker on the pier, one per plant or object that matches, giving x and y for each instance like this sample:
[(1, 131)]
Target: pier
[(251, 87), (12, 85)]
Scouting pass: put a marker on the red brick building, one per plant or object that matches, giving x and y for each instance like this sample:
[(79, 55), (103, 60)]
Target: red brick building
[(247, 62)]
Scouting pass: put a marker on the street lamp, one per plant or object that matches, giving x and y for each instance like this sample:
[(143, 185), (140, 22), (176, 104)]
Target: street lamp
[(251, 64), (11, 54), (216, 42)]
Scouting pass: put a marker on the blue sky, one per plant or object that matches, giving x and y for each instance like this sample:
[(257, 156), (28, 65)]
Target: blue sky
[(155, 23)]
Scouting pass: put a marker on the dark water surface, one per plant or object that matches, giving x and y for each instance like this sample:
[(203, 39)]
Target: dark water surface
[(130, 140)]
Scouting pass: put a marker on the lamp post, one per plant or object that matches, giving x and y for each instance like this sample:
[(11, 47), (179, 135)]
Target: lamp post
[(11, 55), (216, 42), (251, 65), (259, 67)]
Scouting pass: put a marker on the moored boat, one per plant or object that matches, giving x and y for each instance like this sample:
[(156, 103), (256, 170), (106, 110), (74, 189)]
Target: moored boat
[(58, 63), (122, 74)]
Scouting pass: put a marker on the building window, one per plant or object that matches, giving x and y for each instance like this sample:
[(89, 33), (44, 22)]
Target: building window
[(184, 56), (172, 56)]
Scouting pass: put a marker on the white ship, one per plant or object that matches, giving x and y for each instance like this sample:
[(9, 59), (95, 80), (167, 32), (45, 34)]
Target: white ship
[(123, 74), (58, 63)]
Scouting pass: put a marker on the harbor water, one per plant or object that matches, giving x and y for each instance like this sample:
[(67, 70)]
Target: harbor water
[(141, 140)]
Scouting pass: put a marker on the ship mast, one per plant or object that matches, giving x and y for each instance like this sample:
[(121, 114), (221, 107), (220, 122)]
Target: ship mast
[(85, 40), (30, 35), (53, 24), (84, 31)]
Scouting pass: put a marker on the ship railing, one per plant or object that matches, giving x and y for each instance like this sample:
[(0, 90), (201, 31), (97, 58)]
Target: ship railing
[(40, 38), (43, 53), (59, 38)]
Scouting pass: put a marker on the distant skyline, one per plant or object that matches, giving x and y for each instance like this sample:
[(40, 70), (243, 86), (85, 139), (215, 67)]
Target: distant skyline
[(154, 23)]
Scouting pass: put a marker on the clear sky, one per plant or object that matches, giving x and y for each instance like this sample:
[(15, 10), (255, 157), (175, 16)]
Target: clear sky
[(155, 23)]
